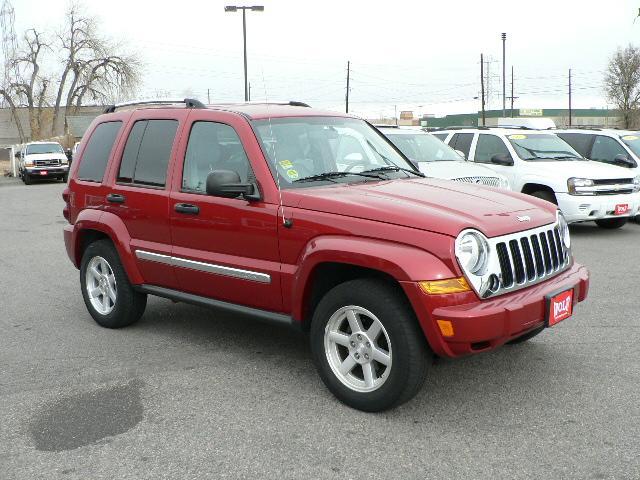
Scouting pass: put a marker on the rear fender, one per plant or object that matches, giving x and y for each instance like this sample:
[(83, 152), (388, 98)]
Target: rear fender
[(112, 226)]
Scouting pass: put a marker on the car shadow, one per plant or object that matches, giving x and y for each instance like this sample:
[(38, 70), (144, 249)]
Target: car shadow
[(591, 229)]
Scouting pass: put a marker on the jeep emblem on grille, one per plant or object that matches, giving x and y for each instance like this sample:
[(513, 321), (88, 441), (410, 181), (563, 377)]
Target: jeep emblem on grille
[(524, 218)]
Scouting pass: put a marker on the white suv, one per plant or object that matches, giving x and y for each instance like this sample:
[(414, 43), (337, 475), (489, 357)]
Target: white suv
[(540, 163), (43, 160), (436, 159)]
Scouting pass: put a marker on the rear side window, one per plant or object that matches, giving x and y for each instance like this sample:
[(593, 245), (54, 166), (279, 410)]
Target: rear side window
[(441, 136), (97, 152), (581, 142), (462, 142), (488, 146), (147, 152)]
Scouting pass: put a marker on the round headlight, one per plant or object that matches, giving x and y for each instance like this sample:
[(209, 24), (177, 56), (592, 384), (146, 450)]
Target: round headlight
[(472, 251), (563, 228)]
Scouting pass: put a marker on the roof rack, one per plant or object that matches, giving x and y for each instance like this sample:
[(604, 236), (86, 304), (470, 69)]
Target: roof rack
[(189, 103), (458, 127), (580, 127), (292, 103), (384, 125)]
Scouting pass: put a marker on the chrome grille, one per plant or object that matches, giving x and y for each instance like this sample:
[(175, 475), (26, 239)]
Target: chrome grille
[(487, 181), (46, 163), (530, 257)]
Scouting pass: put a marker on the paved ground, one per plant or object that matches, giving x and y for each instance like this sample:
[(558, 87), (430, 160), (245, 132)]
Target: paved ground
[(187, 393)]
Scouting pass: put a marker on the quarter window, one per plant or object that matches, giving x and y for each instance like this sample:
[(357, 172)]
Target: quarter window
[(462, 142), (488, 146), (147, 152), (213, 146), (579, 141), (96, 153)]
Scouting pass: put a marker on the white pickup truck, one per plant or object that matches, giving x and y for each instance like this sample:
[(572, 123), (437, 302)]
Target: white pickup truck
[(43, 160), (540, 163)]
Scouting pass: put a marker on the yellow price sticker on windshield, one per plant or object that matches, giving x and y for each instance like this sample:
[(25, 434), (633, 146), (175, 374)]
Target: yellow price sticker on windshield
[(517, 137), (630, 137), (293, 174), (285, 163)]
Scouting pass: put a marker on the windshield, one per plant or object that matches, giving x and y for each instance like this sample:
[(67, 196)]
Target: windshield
[(305, 151), (44, 148), (423, 147), (633, 142), (542, 147)]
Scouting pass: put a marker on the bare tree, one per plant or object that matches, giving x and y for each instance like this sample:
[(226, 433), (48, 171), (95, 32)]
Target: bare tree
[(622, 83)]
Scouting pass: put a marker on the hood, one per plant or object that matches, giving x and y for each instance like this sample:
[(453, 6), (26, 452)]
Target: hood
[(582, 169), (435, 205), (455, 169)]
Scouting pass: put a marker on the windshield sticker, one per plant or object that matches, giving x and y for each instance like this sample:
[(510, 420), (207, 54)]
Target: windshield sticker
[(517, 137), (630, 137), (285, 163), (292, 174)]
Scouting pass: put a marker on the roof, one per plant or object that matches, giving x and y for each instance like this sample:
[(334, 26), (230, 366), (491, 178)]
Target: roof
[(403, 131), (503, 130), (606, 131)]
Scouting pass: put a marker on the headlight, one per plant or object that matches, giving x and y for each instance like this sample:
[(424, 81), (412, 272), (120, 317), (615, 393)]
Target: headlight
[(563, 228), (472, 251), (636, 184), (504, 183), (28, 163), (576, 186)]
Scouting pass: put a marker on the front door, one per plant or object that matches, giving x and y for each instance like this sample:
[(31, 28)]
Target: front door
[(223, 248)]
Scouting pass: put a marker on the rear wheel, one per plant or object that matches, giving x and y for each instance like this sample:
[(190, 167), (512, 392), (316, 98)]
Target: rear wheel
[(367, 345), (545, 195), (612, 223), (107, 293)]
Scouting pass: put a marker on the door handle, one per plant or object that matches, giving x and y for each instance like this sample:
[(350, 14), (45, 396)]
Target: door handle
[(186, 208), (115, 198)]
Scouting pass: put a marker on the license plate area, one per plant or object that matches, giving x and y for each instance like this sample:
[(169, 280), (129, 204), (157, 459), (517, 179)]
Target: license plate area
[(559, 307), (621, 209), (43, 172)]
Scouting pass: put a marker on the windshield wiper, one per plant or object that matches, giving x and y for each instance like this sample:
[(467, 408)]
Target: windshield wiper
[(391, 168), (331, 175)]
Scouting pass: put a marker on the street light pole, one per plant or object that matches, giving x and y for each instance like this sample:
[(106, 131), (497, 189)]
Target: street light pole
[(254, 8), (504, 76)]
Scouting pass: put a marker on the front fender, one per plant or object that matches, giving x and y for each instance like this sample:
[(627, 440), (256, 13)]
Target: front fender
[(402, 262), (112, 226)]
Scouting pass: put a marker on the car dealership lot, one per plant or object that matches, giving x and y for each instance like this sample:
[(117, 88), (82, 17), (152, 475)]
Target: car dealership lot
[(191, 393)]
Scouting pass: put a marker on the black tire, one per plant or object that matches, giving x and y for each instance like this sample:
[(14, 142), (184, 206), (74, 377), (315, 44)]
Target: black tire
[(26, 178), (545, 195), (612, 223), (409, 350), (129, 305), (526, 336), (65, 178)]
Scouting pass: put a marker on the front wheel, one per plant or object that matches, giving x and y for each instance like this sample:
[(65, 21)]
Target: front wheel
[(65, 178), (612, 223), (107, 293), (26, 178), (367, 345)]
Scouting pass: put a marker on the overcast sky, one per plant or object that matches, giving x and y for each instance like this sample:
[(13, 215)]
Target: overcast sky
[(418, 55)]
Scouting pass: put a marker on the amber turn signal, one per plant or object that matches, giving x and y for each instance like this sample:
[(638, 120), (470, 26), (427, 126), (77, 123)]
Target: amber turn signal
[(440, 287), (446, 328)]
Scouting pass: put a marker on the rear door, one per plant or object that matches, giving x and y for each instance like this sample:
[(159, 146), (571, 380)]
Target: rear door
[(139, 192), (223, 248), (488, 145)]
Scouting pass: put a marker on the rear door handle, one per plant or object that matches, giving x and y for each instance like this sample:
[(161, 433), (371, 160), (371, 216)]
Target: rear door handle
[(115, 198), (187, 208)]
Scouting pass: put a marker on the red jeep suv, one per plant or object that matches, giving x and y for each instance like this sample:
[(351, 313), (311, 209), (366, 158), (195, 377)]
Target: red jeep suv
[(312, 219)]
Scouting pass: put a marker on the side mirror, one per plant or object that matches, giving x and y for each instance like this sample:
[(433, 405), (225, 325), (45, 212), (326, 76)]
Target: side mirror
[(624, 161), (461, 153), (502, 159), (227, 184)]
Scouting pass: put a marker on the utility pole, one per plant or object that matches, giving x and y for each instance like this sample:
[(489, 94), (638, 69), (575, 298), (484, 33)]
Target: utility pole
[(482, 86), (569, 97), (347, 96), (504, 98), (208, 97)]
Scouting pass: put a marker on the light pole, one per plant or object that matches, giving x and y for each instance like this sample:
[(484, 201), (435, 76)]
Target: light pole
[(254, 8), (504, 99)]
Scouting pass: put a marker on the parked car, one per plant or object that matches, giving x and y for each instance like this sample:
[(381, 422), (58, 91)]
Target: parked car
[(244, 208), (43, 160), (541, 164), (74, 150), (436, 159), (616, 147)]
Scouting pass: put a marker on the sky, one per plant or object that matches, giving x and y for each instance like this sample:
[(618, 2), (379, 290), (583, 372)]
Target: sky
[(422, 56)]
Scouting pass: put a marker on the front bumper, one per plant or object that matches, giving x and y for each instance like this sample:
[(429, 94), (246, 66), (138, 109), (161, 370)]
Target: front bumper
[(584, 208), (55, 171), (481, 325)]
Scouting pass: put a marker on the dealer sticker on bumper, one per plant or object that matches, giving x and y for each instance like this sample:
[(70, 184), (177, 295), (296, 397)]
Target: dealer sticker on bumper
[(560, 307), (621, 209)]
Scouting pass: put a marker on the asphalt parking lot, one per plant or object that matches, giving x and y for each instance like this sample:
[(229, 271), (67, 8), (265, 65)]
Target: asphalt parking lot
[(191, 393)]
